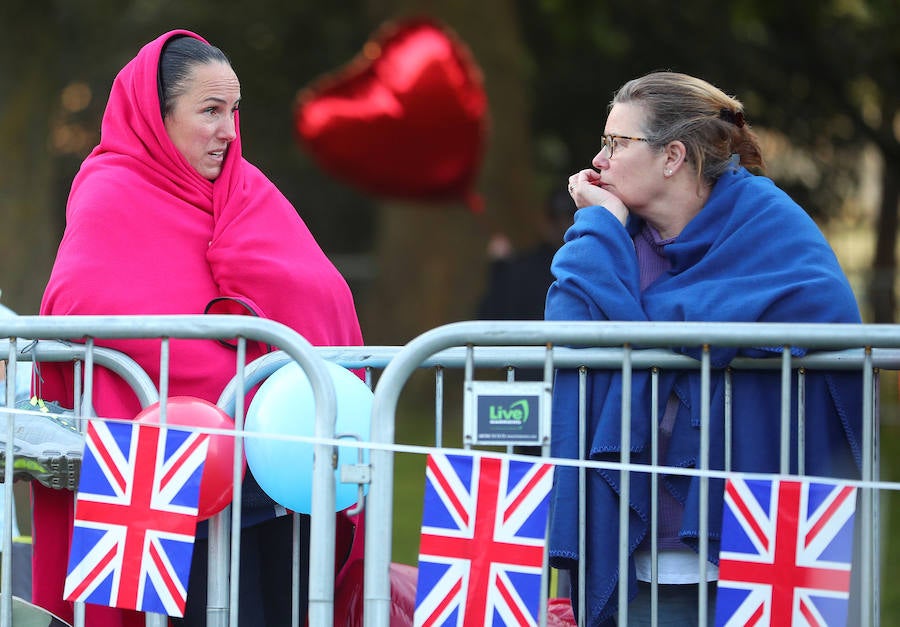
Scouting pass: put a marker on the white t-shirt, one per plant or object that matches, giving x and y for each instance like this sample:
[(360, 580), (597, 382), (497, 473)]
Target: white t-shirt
[(674, 567)]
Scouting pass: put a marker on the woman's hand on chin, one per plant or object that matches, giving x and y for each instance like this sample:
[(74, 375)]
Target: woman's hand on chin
[(586, 189)]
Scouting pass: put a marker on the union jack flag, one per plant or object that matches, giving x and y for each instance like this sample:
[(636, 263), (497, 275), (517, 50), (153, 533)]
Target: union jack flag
[(135, 517), (481, 553), (785, 553)]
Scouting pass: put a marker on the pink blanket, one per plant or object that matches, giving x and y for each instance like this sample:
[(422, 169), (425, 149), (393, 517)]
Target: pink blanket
[(147, 234)]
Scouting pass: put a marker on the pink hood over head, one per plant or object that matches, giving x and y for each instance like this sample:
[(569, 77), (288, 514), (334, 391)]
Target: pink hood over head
[(147, 234)]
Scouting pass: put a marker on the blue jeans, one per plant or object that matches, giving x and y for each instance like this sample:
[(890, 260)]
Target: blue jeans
[(677, 605)]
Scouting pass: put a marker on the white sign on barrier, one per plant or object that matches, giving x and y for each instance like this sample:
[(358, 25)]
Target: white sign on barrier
[(506, 413)]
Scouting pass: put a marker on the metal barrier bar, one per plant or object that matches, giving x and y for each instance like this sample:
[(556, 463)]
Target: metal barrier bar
[(869, 573), (6, 563), (45, 351), (235, 555), (120, 364), (705, 378), (215, 327), (582, 482), (225, 566), (593, 345), (625, 482), (654, 504)]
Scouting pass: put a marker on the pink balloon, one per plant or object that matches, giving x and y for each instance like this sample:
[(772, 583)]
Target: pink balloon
[(217, 485)]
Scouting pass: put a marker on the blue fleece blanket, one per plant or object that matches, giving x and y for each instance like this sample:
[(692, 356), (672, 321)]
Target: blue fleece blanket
[(751, 254)]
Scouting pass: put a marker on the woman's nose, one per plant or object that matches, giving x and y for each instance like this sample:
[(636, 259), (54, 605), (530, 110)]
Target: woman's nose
[(228, 130)]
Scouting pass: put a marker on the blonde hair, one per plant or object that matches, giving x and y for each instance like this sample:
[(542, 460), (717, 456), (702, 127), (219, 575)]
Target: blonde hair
[(705, 119)]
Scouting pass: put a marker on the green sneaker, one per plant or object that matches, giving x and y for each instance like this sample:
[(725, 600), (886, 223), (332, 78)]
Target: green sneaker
[(26, 614), (47, 444)]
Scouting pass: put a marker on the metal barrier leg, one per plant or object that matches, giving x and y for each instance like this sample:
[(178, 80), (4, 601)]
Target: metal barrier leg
[(217, 582)]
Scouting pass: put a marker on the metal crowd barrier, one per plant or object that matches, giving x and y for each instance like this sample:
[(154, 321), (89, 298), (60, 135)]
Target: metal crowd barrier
[(625, 347), (467, 347), (51, 339)]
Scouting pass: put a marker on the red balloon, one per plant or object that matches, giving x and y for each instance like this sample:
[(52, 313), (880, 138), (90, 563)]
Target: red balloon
[(405, 119), (216, 485)]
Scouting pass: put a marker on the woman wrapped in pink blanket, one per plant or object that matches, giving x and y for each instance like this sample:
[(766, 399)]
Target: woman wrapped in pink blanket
[(165, 216)]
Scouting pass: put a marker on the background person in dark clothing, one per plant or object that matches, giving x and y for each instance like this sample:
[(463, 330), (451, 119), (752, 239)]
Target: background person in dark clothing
[(518, 280)]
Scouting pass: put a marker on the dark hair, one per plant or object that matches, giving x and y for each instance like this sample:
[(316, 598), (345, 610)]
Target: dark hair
[(707, 121), (179, 56)]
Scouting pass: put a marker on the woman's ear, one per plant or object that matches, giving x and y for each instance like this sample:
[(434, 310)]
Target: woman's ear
[(676, 154)]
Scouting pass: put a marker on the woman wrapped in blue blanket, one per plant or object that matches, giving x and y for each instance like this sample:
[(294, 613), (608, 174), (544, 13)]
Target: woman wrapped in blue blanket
[(672, 226)]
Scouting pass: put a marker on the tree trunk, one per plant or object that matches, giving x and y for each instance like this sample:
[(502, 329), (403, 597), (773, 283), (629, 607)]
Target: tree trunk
[(27, 180), (882, 297), (430, 260)]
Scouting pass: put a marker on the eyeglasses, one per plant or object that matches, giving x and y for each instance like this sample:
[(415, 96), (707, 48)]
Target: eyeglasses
[(610, 142)]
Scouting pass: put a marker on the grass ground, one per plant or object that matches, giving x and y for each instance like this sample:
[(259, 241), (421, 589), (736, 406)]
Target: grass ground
[(415, 425)]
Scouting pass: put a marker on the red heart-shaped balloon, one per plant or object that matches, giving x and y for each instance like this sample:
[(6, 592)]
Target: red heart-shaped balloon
[(406, 119)]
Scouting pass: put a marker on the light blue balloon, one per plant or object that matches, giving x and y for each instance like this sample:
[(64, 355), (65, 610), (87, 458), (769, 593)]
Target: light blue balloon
[(284, 405)]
